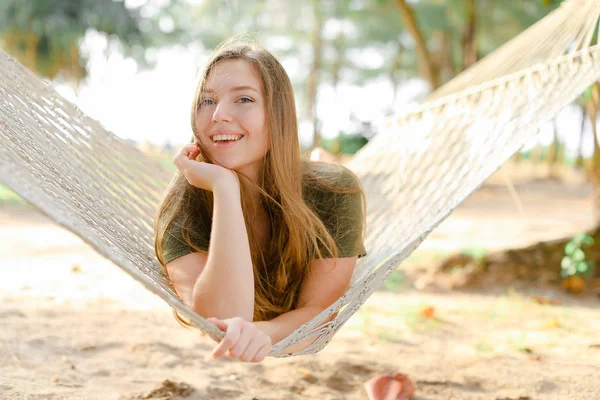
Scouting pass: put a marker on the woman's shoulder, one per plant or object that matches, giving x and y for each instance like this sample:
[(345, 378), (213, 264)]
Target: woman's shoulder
[(325, 176)]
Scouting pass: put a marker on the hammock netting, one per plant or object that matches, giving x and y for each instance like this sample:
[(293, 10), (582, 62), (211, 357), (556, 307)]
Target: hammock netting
[(415, 173)]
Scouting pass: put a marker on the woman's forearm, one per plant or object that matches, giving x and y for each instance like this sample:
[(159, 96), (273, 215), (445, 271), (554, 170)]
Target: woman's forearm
[(283, 325), (225, 288)]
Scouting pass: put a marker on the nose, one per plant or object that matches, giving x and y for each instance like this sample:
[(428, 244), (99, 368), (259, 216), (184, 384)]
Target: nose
[(222, 113)]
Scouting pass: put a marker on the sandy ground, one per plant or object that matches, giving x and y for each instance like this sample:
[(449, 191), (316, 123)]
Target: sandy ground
[(74, 326)]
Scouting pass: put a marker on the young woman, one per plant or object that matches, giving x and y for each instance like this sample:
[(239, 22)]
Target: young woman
[(251, 236)]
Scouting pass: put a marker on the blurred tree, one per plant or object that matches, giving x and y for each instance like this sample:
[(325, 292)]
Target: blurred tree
[(537, 154), (581, 102), (500, 21), (470, 49), (592, 111), (345, 143), (315, 66), (356, 27), (45, 34), (553, 154), (451, 35), (199, 22), (426, 66)]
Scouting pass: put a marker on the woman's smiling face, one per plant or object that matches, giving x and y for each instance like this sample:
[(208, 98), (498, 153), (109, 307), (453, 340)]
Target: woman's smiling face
[(230, 120)]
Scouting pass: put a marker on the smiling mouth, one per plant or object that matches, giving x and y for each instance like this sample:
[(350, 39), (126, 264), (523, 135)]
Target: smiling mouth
[(225, 142), (226, 138)]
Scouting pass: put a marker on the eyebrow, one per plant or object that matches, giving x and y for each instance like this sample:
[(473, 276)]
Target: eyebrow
[(234, 89)]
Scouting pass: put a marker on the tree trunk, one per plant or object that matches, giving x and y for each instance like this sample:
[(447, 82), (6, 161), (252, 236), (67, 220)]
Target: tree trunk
[(536, 155), (8, 42), (469, 35), (553, 153), (31, 51), (313, 77), (393, 74), (426, 69), (595, 167), (446, 66), (339, 61), (77, 72)]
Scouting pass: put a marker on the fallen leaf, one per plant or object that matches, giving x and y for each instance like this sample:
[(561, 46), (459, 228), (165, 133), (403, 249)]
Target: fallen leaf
[(527, 350), (428, 312), (595, 346), (545, 300), (531, 353)]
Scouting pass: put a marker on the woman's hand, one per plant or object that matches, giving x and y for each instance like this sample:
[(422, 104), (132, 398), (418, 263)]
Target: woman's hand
[(202, 174), (242, 340)]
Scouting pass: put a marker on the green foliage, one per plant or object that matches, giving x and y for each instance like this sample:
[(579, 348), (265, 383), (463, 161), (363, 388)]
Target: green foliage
[(374, 24), (45, 34), (345, 143), (477, 253), (574, 262)]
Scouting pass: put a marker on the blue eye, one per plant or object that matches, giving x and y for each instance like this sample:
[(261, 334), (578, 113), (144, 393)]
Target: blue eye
[(206, 102), (249, 100)]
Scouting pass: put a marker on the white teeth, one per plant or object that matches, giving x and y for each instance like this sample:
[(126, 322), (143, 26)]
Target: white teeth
[(217, 138)]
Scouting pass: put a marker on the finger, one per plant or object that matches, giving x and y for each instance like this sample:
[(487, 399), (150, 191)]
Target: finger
[(187, 149), (194, 152), (219, 323), (232, 335), (251, 350), (183, 158), (245, 340), (184, 153), (180, 161), (262, 353)]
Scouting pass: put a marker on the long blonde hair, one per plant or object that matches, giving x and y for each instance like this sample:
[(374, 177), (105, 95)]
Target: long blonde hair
[(297, 233)]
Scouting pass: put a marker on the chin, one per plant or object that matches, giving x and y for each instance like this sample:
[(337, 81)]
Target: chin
[(244, 165), (229, 163)]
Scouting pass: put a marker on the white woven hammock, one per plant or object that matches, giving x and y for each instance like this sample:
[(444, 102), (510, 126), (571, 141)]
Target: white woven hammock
[(414, 175)]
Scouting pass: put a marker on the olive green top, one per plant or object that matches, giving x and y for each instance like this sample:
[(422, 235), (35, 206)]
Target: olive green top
[(341, 213)]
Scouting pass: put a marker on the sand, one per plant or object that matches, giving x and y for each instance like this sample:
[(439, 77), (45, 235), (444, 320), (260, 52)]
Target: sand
[(74, 326)]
